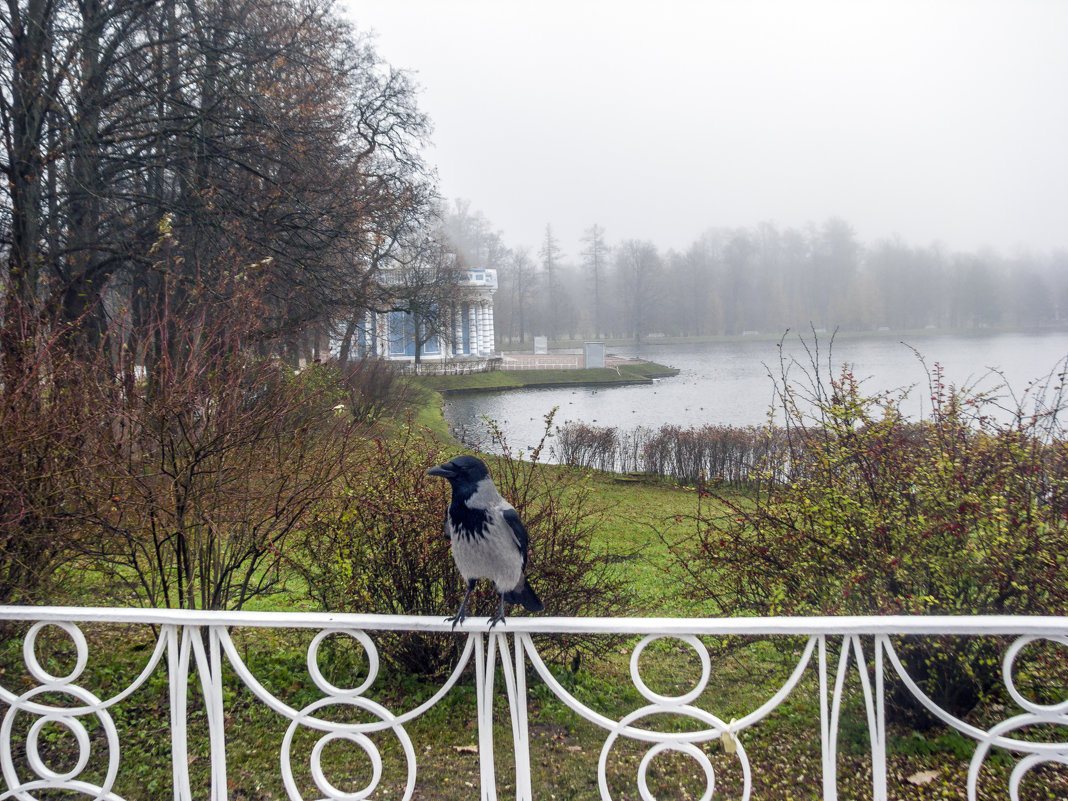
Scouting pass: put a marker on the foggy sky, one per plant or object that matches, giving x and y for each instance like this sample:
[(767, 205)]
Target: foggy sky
[(933, 120)]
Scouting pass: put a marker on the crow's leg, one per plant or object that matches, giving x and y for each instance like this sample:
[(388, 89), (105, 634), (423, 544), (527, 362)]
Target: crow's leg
[(499, 617), (461, 613)]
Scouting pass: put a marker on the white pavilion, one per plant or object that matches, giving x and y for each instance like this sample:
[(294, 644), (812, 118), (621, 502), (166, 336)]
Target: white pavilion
[(391, 335)]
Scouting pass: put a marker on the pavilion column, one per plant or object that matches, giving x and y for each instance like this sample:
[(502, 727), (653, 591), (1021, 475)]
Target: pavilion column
[(458, 331), (483, 348), (472, 325), (478, 328), (491, 337)]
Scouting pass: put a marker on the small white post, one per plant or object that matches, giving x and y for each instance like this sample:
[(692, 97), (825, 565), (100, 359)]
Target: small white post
[(484, 670), (519, 723), (879, 760), (178, 682), (830, 768)]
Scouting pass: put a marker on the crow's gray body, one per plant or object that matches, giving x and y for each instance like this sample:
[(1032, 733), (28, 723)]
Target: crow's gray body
[(488, 538), (490, 550)]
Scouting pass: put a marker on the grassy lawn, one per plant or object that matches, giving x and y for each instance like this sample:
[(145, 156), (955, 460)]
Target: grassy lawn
[(638, 516)]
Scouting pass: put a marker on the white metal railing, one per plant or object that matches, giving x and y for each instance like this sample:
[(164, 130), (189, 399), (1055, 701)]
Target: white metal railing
[(542, 364), (202, 639)]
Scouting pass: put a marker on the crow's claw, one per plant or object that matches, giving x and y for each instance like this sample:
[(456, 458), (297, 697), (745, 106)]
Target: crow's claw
[(497, 618)]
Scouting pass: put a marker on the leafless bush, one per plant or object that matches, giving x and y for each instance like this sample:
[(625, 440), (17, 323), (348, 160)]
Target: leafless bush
[(559, 511), (385, 551), (44, 422), (579, 444), (716, 453), (372, 388), (198, 472)]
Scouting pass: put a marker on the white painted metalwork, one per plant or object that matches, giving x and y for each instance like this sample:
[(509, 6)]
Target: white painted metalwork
[(201, 640)]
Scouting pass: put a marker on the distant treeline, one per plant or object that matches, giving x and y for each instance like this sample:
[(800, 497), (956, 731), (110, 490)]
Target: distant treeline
[(758, 279)]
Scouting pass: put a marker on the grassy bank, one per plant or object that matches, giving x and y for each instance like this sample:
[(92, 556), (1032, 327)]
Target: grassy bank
[(503, 380)]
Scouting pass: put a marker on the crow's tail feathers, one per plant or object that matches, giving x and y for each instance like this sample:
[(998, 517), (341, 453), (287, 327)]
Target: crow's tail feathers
[(524, 595)]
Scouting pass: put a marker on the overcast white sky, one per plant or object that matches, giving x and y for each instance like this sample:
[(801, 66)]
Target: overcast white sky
[(938, 120)]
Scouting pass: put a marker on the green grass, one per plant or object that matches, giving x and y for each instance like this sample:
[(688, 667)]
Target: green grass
[(502, 380), (640, 518)]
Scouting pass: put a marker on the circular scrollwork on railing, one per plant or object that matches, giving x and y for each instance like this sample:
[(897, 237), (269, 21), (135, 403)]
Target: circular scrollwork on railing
[(355, 733), (1035, 714), (346, 732), (699, 756), (668, 700), (64, 717), (1057, 711), (680, 742)]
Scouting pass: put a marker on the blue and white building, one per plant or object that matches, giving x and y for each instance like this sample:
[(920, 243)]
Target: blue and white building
[(391, 335)]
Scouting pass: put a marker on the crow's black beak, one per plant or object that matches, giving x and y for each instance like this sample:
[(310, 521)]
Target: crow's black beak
[(441, 470)]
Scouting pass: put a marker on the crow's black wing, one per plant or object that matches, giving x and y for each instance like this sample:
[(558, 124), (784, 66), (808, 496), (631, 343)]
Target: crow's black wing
[(511, 517)]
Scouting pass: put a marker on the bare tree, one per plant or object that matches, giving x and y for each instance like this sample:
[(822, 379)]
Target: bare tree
[(424, 284), (638, 269), (261, 126), (551, 254), (595, 259), (520, 282)]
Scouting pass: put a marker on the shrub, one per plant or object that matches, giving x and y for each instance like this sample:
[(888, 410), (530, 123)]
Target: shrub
[(372, 388), (725, 454), (582, 445), (206, 456), (385, 550), (44, 422), (956, 514), (560, 512)]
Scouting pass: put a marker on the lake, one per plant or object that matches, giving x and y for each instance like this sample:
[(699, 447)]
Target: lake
[(728, 383)]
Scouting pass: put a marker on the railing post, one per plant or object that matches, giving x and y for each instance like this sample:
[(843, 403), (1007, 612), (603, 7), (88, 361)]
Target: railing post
[(874, 707), (209, 667), (879, 765), (519, 723), (830, 766), (177, 687), (216, 728), (484, 709)]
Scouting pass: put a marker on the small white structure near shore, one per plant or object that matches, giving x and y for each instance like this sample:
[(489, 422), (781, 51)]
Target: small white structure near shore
[(391, 335), (593, 354)]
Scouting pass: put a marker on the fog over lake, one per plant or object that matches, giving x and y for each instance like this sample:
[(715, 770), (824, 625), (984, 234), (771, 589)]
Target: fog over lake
[(728, 383)]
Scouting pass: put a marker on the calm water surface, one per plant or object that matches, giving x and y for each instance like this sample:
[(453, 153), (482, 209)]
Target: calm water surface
[(728, 383)]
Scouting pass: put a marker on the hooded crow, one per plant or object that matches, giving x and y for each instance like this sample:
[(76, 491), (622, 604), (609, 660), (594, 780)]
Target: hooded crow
[(488, 538)]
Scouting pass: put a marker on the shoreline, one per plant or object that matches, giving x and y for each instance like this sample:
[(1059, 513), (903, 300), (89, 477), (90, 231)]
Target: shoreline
[(627, 373), (806, 333)]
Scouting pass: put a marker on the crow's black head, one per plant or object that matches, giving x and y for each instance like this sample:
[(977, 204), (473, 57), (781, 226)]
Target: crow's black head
[(462, 472)]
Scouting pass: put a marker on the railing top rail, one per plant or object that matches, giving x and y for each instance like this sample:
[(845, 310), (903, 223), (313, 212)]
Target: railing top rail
[(888, 624)]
